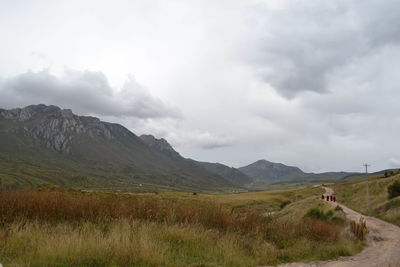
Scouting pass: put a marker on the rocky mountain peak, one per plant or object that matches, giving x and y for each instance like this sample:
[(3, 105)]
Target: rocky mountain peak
[(66, 113), (58, 127), (159, 144), (26, 113)]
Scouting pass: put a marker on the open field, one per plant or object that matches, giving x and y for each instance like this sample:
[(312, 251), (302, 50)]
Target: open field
[(353, 195), (58, 227)]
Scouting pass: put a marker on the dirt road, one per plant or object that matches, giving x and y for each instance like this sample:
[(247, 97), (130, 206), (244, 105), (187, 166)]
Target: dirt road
[(383, 244)]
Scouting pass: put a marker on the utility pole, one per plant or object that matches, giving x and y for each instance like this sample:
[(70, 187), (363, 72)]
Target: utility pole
[(366, 174)]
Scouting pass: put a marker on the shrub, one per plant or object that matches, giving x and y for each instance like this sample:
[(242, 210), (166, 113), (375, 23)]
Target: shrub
[(338, 208), (392, 204), (328, 216), (316, 214), (329, 213), (337, 220), (394, 189), (285, 203)]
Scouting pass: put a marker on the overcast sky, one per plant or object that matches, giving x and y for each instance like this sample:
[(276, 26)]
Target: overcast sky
[(308, 83)]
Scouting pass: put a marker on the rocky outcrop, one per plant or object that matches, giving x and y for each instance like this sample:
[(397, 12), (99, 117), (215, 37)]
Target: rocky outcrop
[(159, 144), (26, 113), (57, 127)]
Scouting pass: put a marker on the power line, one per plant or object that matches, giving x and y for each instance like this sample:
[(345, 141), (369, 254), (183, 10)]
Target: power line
[(367, 196)]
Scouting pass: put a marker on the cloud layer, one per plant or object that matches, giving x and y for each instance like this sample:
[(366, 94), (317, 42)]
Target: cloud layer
[(85, 92), (307, 83), (300, 46)]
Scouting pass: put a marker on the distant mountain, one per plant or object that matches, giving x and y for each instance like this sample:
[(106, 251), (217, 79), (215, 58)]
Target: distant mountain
[(46, 144), (230, 174), (266, 170), (270, 172)]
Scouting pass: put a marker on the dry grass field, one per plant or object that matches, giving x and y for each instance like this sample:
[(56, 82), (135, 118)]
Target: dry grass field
[(62, 227)]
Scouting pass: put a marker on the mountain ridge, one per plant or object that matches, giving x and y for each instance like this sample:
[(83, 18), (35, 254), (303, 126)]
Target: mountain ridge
[(85, 146)]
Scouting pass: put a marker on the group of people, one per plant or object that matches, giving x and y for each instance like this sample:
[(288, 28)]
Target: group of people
[(329, 198)]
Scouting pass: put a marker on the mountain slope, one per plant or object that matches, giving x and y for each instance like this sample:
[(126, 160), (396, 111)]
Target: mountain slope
[(232, 175), (229, 173), (107, 154)]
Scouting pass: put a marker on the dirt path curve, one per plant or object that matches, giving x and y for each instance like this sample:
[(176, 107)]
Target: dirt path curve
[(383, 244)]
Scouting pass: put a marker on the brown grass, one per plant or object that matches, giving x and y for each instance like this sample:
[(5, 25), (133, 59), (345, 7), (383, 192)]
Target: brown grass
[(321, 230), (60, 205), (359, 229), (33, 225)]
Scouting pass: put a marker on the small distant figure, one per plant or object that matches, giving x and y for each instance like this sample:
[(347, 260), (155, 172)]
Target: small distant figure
[(323, 197)]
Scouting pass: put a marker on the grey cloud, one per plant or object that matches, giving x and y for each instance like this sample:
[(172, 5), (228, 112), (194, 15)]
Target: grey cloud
[(85, 92), (299, 47), (394, 163), (199, 139)]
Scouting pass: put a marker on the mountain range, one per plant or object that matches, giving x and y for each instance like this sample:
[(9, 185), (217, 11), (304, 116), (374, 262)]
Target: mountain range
[(46, 144)]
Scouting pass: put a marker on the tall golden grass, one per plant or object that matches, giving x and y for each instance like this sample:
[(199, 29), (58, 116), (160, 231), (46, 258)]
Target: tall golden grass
[(61, 205), (47, 225)]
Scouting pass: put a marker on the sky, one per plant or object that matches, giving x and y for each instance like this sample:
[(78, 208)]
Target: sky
[(313, 84)]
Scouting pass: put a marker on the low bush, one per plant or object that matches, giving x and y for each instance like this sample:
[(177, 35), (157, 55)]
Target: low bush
[(395, 203), (338, 208), (394, 189), (328, 216), (316, 214), (285, 203)]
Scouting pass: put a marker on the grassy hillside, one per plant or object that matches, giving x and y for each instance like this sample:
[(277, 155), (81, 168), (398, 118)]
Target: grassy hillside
[(353, 194), (27, 171), (56, 226)]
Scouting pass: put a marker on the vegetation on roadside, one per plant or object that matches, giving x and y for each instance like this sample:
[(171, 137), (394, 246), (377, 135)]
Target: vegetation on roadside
[(384, 201), (59, 226), (394, 189), (359, 229), (328, 216)]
